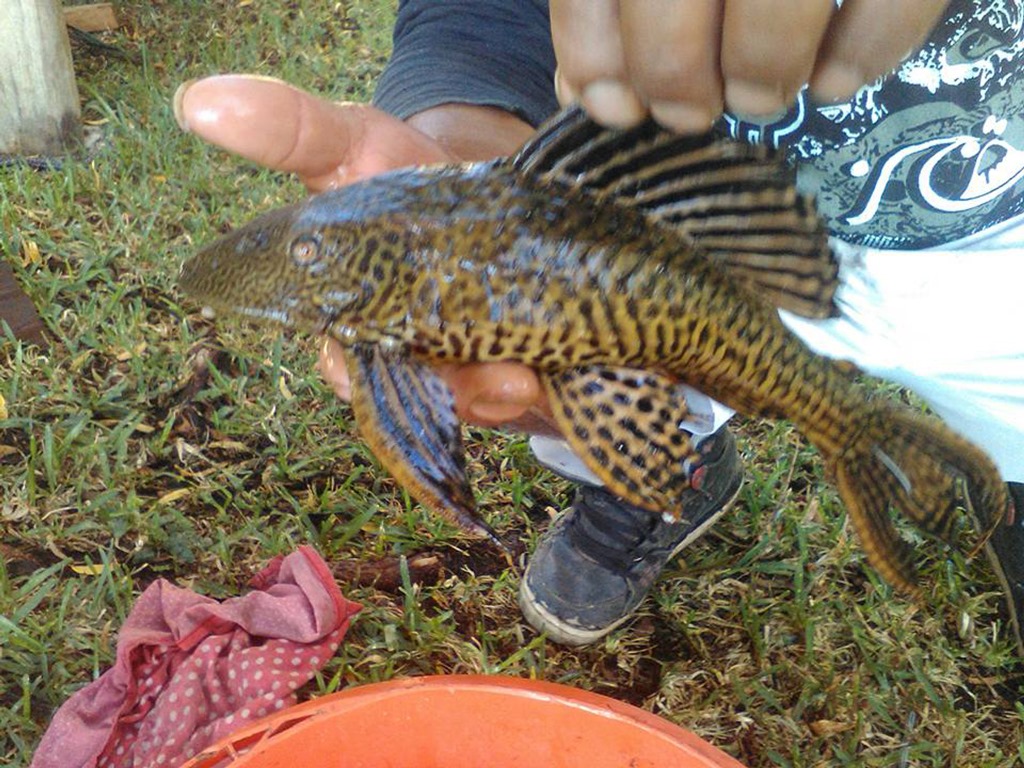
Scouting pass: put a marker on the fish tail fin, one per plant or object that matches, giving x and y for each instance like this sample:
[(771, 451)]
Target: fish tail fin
[(916, 464)]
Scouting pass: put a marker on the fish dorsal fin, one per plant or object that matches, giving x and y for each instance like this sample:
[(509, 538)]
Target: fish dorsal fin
[(737, 202)]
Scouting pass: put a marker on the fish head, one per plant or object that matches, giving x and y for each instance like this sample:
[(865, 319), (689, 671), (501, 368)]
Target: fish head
[(284, 266)]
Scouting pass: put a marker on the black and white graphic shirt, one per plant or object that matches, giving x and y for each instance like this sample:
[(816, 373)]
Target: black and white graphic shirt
[(929, 155)]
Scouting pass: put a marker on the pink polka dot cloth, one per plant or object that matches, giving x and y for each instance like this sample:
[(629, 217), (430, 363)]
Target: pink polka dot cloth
[(190, 670)]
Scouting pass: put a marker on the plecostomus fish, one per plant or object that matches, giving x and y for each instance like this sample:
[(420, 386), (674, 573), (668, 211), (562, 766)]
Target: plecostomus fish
[(617, 264)]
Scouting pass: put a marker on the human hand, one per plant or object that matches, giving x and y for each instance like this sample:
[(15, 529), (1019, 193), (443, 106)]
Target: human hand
[(329, 144), (683, 62)]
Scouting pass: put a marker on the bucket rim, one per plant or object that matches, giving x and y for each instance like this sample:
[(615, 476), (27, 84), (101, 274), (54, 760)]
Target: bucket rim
[(249, 738)]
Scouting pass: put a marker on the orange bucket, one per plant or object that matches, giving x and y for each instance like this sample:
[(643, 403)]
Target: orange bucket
[(463, 721)]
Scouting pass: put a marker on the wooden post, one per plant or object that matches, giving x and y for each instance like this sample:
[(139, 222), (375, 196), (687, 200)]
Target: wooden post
[(39, 113)]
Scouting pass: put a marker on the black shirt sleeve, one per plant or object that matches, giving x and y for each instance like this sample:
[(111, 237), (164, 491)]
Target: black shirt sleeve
[(494, 53)]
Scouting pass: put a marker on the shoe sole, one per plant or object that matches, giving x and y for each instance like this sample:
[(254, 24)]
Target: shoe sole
[(1011, 605), (1004, 581), (558, 631)]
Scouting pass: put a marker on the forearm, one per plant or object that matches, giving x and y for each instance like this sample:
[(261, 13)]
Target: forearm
[(472, 132), (474, 74)]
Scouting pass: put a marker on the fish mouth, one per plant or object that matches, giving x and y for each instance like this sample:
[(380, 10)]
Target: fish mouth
[(291, 314), (265, 313), (194, 280)]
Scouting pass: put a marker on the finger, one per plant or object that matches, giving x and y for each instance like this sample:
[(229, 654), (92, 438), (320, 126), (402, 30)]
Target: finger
[(588, 46), (487, 394), (671, 51), (332, 368), (325, 143), (490, 394), (868, 38), (564, 92), (768, 51)]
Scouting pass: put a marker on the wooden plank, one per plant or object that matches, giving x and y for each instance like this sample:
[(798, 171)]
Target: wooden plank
[(17, 309), (40, 113), (95, 17)]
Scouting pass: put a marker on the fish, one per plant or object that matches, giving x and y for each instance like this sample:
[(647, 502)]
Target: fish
[(618, 264)]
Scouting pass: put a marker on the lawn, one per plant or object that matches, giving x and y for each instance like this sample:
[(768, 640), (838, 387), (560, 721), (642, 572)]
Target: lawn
[(148, 442)]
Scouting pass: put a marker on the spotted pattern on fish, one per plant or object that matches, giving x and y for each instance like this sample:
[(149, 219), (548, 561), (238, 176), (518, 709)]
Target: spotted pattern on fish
[(617, 264)]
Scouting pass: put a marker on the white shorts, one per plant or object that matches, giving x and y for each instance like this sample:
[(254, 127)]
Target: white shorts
[(946, 323)]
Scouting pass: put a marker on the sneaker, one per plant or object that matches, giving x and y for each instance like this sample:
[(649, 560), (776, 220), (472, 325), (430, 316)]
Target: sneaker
[(1006, 552), (598, 561)]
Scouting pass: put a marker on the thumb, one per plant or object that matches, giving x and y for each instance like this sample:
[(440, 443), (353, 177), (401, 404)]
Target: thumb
[(325, 143)]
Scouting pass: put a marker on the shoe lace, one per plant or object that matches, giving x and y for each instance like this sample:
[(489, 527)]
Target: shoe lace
[(612, 532), (619, 535)]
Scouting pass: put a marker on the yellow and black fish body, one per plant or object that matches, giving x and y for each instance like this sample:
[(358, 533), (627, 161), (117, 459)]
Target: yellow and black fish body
[(618, 264)]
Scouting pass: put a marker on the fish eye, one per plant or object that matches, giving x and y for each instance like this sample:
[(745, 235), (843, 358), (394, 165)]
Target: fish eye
[(305, 250)]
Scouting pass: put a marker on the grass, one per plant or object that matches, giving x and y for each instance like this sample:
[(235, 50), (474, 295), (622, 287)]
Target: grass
[(146, 443)]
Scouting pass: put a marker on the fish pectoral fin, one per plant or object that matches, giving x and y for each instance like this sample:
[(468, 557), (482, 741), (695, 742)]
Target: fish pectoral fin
[(406, 414), (624, 425), (736, 201)]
